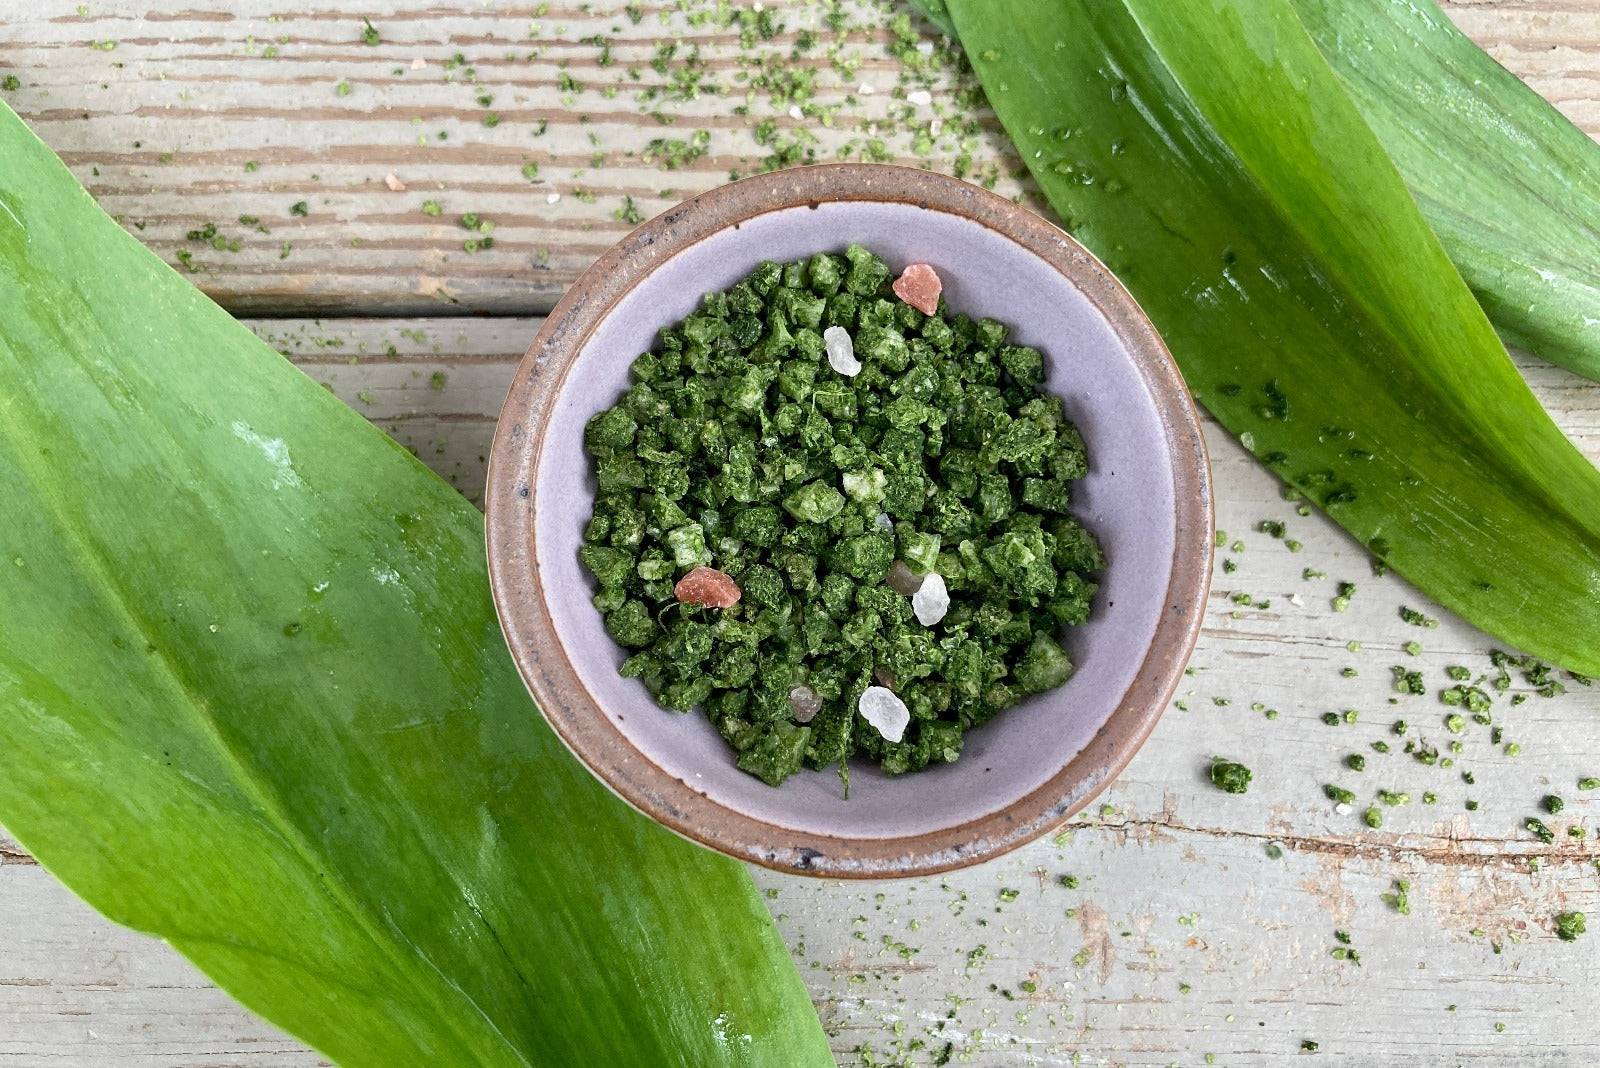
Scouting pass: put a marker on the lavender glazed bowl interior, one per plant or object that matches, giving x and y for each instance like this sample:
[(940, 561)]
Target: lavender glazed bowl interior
[(1147, 497)]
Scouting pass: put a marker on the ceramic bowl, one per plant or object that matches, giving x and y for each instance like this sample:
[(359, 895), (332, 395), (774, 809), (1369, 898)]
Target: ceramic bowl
[(1147, 497)]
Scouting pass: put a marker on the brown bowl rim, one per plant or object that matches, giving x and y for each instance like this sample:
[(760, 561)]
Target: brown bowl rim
[(611, 756)]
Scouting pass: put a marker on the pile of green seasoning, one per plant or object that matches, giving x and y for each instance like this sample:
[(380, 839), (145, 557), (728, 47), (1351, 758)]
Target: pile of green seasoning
[(836, 524)]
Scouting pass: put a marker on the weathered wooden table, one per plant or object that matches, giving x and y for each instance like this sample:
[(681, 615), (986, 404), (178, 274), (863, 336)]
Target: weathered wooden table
[(312, 182)]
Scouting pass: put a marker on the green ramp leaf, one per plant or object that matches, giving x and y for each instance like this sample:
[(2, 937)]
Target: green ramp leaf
[(1207, 152), (1511, 187), (254, 700)]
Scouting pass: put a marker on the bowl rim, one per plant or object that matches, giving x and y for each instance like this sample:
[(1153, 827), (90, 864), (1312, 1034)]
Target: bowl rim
[(610, 754)]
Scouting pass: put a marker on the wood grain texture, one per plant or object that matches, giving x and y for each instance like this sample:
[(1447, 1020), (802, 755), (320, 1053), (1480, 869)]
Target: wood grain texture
[(160, 107), (1176, 886), (1201, 923)]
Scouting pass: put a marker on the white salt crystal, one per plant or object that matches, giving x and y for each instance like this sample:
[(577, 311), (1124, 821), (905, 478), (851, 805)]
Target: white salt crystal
[(935, 127), (925, 47), (881, 708), (795, 113), (552, 198), (919, 97), (882, 521), (1343, 809), (841, 351), (932, 600), (866, 89), (419, 64)]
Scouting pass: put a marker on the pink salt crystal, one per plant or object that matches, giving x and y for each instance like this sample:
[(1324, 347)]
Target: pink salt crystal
[(902, 579), (394, 183), (708, 587), (804, 703), (919, 287)]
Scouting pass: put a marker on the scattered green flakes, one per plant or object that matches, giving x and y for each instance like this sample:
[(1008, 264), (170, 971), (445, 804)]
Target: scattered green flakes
[(1577, 831), (530, 171), (1310, 573), (1393, 799), (11, 83), (1341, 600), (1184, 988), (1589, 782), (1353, 646), (1415, 618), (1412, 648), (1472, 806), (1222, 702), (491, 119), (1008, 895), (1475, 699), (1400, 726), (1499, 1027), (1513, 750), (1229, 776), (1243, 599), (628, 212), (1274, 851), (1552, 804), (1408, 682), (1349, 672), (1400, 899), (1292, 545), (1236, 547), (369, 33), (1221, 538), (251, 166), (284, 250), (1455, 723), (673, 153), (1569, 925), (1351, 715), (1458, 673), (1430, 798), (1331, 718), (1381, 746), (436, 382), (1536, 827), (1069, 881), (1356, 762), (1308, 1045), (1373, 817), (1339, 795), (1271, 528), (342, 89), (431, 207), (300, 208), (583, 194), (1228, 566)]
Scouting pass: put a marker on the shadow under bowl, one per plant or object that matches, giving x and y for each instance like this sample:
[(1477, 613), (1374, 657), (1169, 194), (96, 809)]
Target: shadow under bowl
[(1147, 498)]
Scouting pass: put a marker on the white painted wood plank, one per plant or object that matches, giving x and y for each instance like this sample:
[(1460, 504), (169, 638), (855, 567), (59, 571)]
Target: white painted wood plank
[(1176, 885)]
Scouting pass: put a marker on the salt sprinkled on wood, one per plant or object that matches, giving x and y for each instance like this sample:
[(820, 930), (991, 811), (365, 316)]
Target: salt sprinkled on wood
[(932, 599), (886, 712), (841, 351)]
